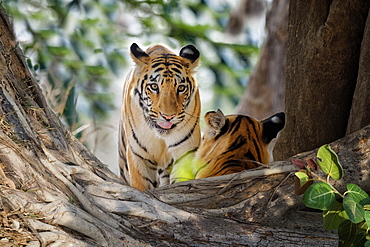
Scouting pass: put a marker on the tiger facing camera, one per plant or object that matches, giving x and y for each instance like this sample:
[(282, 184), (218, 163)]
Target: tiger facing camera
[(160, 114)]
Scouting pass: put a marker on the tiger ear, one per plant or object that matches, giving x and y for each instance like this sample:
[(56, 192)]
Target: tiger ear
[(190, 53), (272, 126), (215, 121), (138, 55)]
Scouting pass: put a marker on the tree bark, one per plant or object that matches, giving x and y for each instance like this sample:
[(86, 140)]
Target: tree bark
[(360, 114), (265, 92), (323, 62), (54, 191)]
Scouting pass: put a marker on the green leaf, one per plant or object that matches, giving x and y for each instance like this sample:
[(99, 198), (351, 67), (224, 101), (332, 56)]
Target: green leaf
[(354, 210), (36, 67), (29, 63), (358, 194), (183, 168), (59, 51), (303, 178), (334, 216), (347, 232), (367, 218), (319, 196), (97, 70), (98, 50), (329, 163), (367, 243), (361, 234)]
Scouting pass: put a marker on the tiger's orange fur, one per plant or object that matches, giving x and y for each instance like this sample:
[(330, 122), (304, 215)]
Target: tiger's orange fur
[(236, 142), (160, 114), (230, 144)]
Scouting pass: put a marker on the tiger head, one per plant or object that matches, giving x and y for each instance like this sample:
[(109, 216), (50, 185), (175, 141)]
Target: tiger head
[(165, 88), (235, 143)]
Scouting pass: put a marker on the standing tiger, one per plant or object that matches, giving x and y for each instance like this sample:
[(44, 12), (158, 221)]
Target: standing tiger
[(230, 144), (160, 114)]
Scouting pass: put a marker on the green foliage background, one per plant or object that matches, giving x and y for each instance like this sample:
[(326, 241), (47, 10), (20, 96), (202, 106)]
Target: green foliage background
[(78, 48)]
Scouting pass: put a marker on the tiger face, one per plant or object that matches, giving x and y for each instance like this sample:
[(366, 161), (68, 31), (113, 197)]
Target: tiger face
[(166, 85), (235, 143)]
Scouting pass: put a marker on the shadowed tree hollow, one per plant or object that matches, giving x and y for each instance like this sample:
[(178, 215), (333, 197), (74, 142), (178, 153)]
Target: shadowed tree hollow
[(54, 191)]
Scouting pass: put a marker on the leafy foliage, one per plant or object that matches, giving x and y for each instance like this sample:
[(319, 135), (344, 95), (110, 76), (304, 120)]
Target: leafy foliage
[(351, 216), (79, 47), (73, 46)]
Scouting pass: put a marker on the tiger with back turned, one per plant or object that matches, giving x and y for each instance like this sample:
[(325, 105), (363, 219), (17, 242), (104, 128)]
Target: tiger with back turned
[(160, 114), (230, 144)]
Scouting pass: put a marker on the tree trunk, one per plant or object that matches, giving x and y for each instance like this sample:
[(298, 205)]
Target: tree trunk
[(322, 68), (264, 95), (360, 114), (54, 191)]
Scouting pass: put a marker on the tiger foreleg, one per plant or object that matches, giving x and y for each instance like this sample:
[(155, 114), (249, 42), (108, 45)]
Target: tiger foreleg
[(142, 174)]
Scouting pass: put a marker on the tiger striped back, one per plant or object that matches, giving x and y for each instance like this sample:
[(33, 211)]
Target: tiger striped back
[(230, 144), (160, 114)]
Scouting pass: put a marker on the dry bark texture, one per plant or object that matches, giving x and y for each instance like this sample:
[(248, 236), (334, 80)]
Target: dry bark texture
[(324, 62), (360, 114), (53, 191), (264, 95)]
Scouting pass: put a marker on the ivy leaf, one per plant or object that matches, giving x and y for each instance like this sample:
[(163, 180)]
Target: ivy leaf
[(367, 243), (319, 196), (358, 195), (354, 210), (329, 163), (347, 232), (334, 216)]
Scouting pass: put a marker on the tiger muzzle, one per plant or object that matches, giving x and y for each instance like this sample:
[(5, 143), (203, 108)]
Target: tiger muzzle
[(167, 124)]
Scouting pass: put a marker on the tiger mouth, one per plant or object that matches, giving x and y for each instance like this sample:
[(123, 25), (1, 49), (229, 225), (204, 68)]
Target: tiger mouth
[(165, 125)]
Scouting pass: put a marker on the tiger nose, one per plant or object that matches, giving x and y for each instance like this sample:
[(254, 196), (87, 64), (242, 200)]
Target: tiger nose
[(168, 118)]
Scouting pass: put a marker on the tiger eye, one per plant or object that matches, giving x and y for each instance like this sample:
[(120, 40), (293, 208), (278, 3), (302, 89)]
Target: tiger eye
[(153, 87), (181, 88)]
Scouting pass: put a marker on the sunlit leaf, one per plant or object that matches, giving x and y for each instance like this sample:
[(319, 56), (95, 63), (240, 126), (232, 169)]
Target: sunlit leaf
[(334, 216), (301, 182), (303, 177), (183, 169), (358, 195), (354, 210), (329, 163), (319, 196)]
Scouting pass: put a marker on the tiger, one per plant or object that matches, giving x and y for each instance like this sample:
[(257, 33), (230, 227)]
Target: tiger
[(230, 144), (159, 116)]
